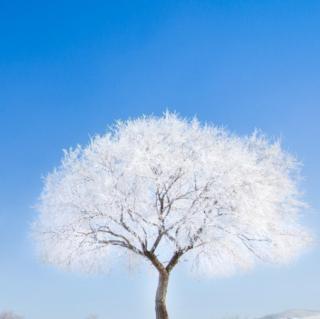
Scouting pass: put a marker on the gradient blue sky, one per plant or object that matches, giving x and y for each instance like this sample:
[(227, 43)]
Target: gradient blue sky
[(70, 68)]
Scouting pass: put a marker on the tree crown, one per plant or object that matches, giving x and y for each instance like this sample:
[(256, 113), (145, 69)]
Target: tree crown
[(165, 187)]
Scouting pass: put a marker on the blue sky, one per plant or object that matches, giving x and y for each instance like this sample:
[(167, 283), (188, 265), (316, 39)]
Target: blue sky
[(68, 69)]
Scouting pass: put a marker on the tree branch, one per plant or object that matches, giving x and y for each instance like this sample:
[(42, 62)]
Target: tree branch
[(174, 260)]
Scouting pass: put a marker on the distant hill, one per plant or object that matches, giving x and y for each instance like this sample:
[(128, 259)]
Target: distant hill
[(295, 314)]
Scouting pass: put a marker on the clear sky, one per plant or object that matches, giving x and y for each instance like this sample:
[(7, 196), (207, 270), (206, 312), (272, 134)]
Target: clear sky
[(68, 69)]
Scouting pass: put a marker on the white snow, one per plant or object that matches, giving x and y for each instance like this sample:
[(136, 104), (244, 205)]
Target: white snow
[(295, 314)]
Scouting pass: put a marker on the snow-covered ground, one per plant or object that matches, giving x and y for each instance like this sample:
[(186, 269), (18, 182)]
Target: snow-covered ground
[(295, 314)]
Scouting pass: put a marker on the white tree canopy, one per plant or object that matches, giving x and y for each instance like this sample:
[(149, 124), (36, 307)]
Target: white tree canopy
[(171, 187)]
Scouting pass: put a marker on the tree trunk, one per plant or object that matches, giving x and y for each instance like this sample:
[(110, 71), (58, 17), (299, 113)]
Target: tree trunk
[(161, 308)]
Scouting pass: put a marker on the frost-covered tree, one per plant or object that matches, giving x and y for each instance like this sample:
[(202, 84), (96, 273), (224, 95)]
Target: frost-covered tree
[(164, 189)]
